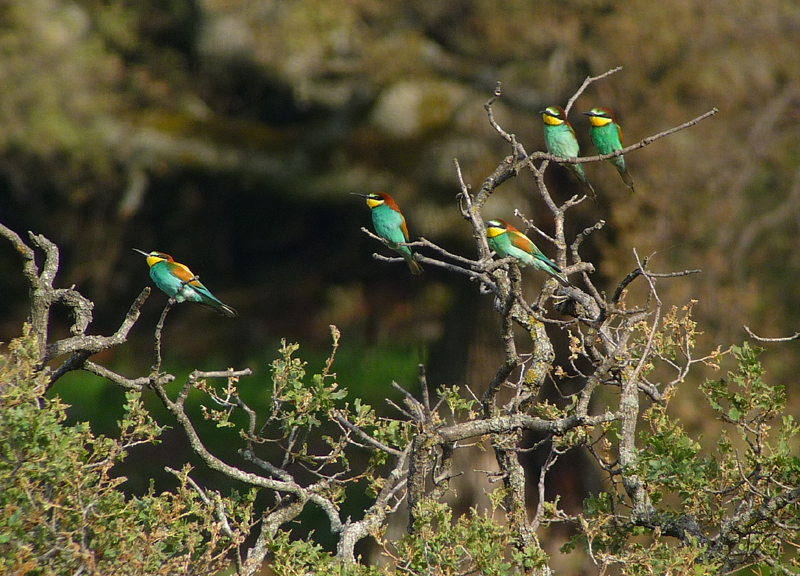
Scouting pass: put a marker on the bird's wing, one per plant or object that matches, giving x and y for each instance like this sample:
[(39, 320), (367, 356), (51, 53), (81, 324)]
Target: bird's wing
[(571, 130), (403, 227), (619, 133), (183, 273), (522, 242)]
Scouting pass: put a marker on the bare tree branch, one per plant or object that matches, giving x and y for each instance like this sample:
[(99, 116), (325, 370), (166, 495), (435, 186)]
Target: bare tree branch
[(795, 336), (585, 85)]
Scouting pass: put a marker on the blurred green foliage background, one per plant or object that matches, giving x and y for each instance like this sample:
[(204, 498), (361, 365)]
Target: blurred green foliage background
[(230, 134)]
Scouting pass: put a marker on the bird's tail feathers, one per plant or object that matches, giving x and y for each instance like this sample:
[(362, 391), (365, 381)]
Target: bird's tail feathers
[(221, 309), (228, 311), (563, 281), (578, 169), (416, 267), (557, 273), (546, 265), (592, 193), (628, 179)]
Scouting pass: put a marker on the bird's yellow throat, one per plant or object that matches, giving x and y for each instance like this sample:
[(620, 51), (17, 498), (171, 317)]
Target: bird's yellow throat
[(598, 121), (551, 120)]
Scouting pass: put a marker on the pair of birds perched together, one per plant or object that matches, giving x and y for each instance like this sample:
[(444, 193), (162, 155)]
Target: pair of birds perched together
[(605, 133), (178, 282), (502, 237)]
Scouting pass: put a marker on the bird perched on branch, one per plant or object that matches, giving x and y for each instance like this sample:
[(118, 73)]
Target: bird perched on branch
[(559, 137), (607, 137), (177, 281), (508, 241), (390, 225)]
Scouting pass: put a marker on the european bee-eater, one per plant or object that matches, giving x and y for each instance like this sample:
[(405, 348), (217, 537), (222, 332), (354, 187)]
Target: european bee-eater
[(607, 137), (508, 241), (559, 137), (390, 225), (177, 281)]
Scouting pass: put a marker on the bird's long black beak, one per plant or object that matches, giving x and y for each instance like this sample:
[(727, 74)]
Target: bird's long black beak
[(359, 194), (589, 113), (141, 252)]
